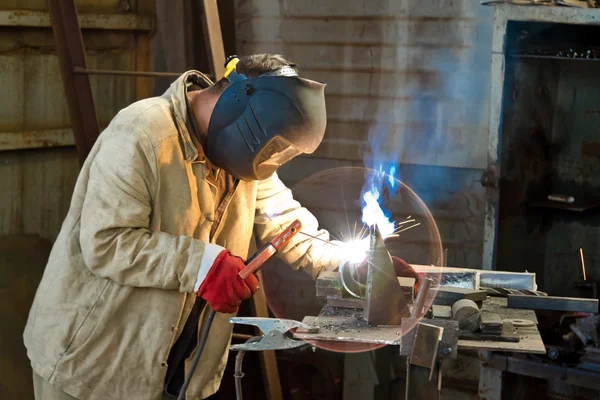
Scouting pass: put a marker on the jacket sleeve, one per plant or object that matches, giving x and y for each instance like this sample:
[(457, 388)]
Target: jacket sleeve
[(275, 210), (115, 237)]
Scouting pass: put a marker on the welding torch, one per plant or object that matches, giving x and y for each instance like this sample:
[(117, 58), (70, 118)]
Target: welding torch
[(267, 251)]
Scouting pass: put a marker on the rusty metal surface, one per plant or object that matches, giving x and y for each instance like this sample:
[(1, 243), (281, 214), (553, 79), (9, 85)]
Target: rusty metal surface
[(33, 114), (36, 139), (41, 19), (347, 325), (31, 175)]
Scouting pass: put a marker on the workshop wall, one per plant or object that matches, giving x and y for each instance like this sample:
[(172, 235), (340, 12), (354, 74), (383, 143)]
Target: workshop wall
[(38, 162), (413, 72)]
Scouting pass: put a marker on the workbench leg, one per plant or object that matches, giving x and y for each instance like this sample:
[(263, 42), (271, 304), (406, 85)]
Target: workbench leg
[(360, 376), (418, 384), (490, 384), (490, 379), (267, 358)]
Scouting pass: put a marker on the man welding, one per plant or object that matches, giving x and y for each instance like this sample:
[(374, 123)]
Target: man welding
[(169, 198)]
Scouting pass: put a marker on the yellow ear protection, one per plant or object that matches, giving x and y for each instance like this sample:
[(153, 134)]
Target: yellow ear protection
[(233, 76), (230, 70)]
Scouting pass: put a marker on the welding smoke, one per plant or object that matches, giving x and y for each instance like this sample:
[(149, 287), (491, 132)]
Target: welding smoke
[(439, 110)]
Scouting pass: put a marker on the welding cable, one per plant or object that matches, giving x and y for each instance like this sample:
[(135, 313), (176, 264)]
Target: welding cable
[(238, 374), (203, 340)]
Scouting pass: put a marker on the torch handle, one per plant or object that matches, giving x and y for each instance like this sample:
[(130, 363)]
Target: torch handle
[(270, 248)]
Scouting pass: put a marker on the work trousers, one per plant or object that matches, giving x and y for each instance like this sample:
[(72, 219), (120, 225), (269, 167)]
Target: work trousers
[(43, 390)]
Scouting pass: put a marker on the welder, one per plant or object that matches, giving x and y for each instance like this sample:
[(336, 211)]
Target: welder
[(166, 204)]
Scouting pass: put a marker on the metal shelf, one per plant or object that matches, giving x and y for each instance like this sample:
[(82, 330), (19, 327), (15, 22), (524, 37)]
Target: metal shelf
[(552, 57), (577, 207)]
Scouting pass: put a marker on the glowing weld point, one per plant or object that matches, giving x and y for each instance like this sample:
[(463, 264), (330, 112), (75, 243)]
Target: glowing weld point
[(356, 250)]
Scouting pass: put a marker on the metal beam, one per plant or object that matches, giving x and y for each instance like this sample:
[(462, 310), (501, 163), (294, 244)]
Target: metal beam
[(41, 19), (213, 38), (78, 91), (553, 303), (36, 139)]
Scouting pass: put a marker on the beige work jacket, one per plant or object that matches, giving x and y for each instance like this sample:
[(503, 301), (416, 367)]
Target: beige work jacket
[(119, 282)]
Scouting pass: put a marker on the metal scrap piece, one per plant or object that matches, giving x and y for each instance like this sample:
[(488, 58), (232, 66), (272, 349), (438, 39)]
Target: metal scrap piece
[(448, 346), (347, 325), (467, 314), (426, 343), (328, 285), (384, 298), (553, 303), (447, 296)]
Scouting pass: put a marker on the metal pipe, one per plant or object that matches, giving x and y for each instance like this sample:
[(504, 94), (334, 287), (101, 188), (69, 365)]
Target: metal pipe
[(240, 336), (238, 374), (417, 310)]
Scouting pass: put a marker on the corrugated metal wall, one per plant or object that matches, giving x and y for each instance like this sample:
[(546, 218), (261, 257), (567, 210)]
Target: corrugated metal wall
[(38, 163), (415, 72), (37, 178)]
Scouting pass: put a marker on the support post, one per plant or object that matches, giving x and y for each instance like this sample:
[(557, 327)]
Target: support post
[(78, 91), (214, 38)]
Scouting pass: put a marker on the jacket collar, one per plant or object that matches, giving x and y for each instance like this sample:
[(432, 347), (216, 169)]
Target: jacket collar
[(176, 95)]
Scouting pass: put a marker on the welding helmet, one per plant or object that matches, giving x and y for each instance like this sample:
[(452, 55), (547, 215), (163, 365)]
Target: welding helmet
[(261, 123)]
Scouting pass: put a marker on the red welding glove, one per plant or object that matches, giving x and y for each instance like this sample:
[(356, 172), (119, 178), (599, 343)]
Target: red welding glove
[(401, 267), (222, 288)]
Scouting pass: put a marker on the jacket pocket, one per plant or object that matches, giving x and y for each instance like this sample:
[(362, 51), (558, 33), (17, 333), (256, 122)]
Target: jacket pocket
[(91, 290), (88, 324)]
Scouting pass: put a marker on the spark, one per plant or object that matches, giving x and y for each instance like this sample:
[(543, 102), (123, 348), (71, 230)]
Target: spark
[(410, 227), (405, 222)]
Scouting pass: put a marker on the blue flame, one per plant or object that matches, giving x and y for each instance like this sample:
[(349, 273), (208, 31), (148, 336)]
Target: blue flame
[(372, 211)]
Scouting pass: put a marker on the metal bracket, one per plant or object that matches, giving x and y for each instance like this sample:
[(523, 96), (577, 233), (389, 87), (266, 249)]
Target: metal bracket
[(274, 331), (384, 299)]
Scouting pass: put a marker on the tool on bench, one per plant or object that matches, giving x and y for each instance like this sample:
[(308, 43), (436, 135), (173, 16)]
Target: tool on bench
[(274, 333), (252, 265), (274, 338)]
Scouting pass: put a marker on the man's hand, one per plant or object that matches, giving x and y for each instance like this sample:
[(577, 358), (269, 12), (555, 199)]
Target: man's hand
[(222, 288)]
